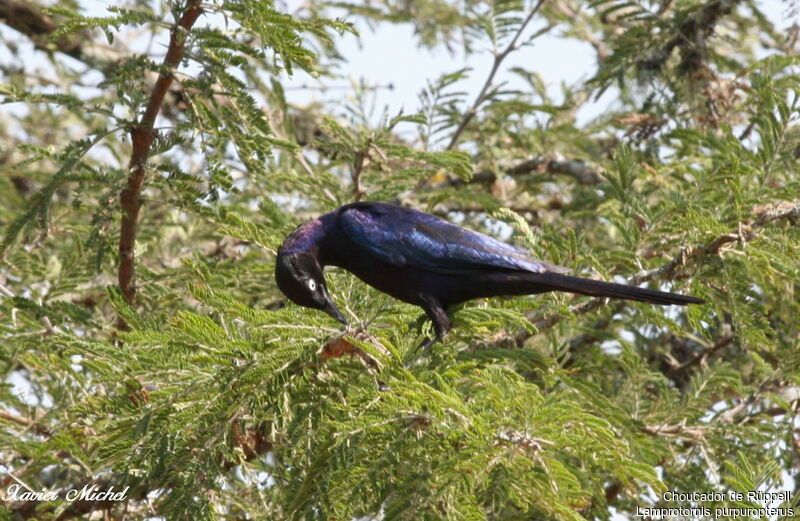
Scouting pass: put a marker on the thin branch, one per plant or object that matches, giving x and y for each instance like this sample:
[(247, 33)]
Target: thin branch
[(498, 60), (25, 422), (744, 231), (678, 430), (10, 476), (27, 18), (142, 136), (298, 155), (5, 291), (690, 37), (747, 131), (572, 12), (699, 358), (250, 441), (358, 168), (575, 168), (698, 432), (49, 328)]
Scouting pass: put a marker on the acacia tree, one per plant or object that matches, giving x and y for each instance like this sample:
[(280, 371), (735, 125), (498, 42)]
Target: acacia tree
[(151, 165)]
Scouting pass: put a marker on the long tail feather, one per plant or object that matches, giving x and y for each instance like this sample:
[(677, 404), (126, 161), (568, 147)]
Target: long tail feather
[(597, 288)]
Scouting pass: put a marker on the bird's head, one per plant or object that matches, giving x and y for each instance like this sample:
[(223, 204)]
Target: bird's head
[(299, 277)]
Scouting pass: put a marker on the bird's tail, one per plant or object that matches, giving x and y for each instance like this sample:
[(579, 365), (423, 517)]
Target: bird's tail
[(598, 288)]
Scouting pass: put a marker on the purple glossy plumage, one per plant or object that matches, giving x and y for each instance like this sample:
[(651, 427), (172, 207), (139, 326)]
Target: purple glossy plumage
[(424, 260)]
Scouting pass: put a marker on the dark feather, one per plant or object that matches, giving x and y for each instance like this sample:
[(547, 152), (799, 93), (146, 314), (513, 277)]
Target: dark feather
[(405, 237), (419, 258)]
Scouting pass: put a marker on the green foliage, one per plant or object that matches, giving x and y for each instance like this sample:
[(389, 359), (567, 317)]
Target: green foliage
[(222, 400)]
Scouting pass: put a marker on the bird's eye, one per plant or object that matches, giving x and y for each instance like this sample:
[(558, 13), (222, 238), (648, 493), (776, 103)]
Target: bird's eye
[(312, 285)]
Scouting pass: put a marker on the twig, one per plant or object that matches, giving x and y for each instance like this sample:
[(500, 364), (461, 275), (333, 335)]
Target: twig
[(26, 422), (5, 291), (26, 17), (571, 12), (142, 136), (325, 88), (575, 168), (698, 432), (690, 36), (523, 440), (700, 357), (746, 132), (743, 232), (358, 168), (49, 328), (298, 156), (250, 441), (498, 59), (678, 430), (9, 477)]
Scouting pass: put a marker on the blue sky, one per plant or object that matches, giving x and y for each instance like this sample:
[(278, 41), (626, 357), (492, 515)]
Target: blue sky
[(390, 55)]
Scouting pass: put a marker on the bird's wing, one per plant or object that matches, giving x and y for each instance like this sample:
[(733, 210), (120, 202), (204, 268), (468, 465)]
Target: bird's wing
[(405, 237)]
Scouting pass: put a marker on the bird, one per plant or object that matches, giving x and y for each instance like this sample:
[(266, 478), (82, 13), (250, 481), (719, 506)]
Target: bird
[(427, 261)]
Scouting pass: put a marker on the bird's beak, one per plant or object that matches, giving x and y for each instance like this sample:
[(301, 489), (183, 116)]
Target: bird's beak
[(330, 308)]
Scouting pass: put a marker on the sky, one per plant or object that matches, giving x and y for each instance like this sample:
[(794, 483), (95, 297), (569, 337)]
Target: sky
[(390, 55)]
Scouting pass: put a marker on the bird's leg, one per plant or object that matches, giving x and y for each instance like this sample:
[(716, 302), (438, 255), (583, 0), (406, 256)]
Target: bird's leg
[(441, 322)]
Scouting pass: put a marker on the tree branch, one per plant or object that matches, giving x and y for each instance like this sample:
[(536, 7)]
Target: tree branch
[(498, 59), (25, 422), (575, 168), (679, 370), (27, 18), (358, 168), (727, 417), (744, 231), (142, 136), (690, 38), (250, 441)]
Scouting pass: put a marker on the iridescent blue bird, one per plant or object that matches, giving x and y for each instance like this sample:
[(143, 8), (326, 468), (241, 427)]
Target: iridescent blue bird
[(424, 260)]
